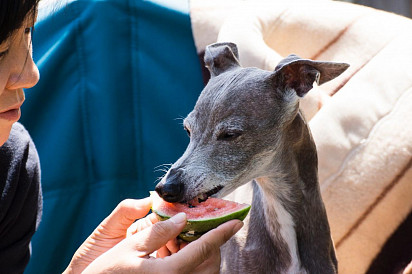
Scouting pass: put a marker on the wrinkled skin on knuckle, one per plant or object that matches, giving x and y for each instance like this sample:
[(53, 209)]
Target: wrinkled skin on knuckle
[(161, 230), (158, 232)]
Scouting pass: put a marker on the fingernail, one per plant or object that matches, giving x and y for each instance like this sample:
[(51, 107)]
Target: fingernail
[(179, 218), (237, 227)]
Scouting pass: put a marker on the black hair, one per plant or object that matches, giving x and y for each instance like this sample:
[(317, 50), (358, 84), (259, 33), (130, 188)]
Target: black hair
[(12, 15)]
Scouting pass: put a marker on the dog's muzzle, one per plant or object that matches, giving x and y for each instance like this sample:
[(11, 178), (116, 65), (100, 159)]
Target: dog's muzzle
[(171, 189)]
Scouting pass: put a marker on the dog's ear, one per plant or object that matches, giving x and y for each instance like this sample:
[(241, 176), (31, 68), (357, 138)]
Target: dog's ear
[(220, 57), (299, 74)]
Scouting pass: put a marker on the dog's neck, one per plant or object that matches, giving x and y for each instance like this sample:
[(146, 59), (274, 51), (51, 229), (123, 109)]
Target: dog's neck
[(292, 229), (278, 223)]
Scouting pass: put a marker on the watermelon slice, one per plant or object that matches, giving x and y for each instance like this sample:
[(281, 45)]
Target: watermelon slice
[(201, 216)]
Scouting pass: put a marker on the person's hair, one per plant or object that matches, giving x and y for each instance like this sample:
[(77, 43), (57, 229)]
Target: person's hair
[(12, 15)]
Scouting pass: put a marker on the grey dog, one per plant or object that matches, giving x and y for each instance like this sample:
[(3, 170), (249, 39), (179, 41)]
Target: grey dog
[(246, 127)]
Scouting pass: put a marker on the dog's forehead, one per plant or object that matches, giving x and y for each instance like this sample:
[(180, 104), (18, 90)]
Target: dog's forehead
[(235, 88), (243, 98)]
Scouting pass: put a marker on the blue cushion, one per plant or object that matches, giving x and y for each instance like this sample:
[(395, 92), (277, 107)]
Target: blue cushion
[(117, 76)]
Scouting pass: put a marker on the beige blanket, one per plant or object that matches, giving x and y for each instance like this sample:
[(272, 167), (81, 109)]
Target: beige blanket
[(361, 121)]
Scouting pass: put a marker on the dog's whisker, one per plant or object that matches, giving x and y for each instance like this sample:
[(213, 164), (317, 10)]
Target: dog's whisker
[(158, 179), (181, 119), (163, 166), (163, 170)]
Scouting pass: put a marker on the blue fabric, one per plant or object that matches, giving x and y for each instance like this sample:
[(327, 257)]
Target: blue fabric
[(116, 77)]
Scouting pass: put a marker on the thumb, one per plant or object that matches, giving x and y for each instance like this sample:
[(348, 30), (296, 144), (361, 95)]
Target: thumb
[(125, 214), (155, 236), (200, 250)]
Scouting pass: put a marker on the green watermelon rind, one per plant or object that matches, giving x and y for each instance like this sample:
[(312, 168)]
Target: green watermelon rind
[(196, 228)]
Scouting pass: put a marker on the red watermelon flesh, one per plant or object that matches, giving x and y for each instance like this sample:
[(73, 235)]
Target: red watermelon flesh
[(211, 208), (201, 216)]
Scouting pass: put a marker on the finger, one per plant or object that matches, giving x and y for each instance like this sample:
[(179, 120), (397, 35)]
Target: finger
[(173, 246), (163, 252), (200, 250), (142, 224), (126, 212), (129, 210), (157, 235)]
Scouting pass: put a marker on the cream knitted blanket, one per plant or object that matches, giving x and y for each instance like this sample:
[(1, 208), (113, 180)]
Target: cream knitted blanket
[(361, 121)]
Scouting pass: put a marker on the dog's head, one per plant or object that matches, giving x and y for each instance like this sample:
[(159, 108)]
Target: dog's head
[(237, 126)]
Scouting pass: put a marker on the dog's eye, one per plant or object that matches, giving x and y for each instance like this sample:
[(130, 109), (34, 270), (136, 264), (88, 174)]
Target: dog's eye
[(228, 135)]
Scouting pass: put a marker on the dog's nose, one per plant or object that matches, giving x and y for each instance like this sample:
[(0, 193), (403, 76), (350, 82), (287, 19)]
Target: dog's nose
[(172, 190)]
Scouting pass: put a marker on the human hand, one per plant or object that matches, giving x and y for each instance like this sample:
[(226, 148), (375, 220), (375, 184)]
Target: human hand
[(133, 254), (108, 250), (209, 265), (110, 232)]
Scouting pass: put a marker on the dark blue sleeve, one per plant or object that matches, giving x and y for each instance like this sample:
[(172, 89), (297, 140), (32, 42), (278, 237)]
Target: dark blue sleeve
[(20, 201)]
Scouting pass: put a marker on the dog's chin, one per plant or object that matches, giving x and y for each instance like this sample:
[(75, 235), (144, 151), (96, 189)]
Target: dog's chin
[(214, 192)]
